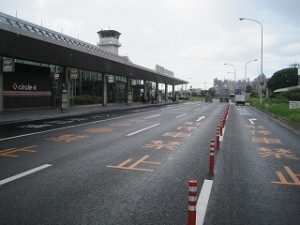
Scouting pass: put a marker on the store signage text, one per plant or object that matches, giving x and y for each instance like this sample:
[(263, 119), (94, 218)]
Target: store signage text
[(24, 87)]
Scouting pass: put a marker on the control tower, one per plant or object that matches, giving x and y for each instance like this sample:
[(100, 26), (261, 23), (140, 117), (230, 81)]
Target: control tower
[(109, 40)]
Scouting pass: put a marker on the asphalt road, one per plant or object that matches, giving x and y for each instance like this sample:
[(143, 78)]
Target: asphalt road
[(133, 167), (128, 168), (257, 176)]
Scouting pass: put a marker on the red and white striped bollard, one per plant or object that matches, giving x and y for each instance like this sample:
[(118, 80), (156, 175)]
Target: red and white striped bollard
[(211, 157), (221, 127), (218, 138), (192, 202)]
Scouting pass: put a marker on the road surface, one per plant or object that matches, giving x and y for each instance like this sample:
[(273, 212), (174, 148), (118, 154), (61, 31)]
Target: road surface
[(133, 167)]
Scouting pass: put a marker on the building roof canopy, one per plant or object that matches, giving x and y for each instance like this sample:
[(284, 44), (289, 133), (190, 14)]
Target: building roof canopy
[(24, 40)]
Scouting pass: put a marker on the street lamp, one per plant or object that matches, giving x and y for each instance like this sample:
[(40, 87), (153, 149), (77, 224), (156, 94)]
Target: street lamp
[(189, 88), (252, 60), (230, 72), (228, 64), (261, 51), (187, 83)]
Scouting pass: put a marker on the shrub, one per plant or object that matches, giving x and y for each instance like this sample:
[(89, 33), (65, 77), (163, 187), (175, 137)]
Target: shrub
[(293, 95), (86, 99)]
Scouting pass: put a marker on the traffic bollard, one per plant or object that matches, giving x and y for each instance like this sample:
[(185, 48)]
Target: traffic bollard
[(192, 202), (211, 157), (221, 127), (218, 138), (224, 120)]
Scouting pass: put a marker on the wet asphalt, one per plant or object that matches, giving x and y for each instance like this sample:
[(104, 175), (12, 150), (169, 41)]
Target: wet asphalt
[(133, 168)]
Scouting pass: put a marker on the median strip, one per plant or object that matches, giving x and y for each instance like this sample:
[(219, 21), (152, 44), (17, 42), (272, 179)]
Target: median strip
[(146, 128), (28, 172)]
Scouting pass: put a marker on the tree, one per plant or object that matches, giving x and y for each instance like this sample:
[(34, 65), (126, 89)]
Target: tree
[(212, 91), (249, 89), (283, 78)]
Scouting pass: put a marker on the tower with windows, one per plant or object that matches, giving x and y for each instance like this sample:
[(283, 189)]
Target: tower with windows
[(109, 40)]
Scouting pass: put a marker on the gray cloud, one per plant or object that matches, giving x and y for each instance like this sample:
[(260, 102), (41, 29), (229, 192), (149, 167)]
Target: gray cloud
[(191, 37)]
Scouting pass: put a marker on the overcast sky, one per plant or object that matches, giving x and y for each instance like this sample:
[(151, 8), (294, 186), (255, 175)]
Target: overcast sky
[(193, 38)]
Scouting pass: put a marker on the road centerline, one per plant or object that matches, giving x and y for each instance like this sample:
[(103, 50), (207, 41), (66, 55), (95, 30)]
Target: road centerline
[(141, 130)]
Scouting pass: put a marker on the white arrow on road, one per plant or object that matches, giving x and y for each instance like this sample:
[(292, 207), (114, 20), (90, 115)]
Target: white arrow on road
[(200, 118), (252, 121)]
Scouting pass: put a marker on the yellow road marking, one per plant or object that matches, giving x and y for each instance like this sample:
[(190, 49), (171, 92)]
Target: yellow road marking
[(124, 163), (267, 140), (283, 180), (188, 128), (178, 134), (189, 123), (159, 144), (135, 164), (263, 132), (100, 130), (250, 126), (277, 153), (7, 152), (293, 175), (67, 138), (127, 168)]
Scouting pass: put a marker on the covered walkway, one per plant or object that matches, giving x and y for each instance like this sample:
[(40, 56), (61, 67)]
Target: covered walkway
[(23, 41)]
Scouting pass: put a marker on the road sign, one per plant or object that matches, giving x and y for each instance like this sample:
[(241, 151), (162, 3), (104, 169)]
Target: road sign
[(8, 65), (237, 91), (73, 73), (262, 83)]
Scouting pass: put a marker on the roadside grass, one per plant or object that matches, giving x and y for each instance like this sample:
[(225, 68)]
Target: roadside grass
[(277, 106)]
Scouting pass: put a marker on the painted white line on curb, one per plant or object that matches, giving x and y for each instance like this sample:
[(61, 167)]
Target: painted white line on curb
[(203, 201), (181, 115), (28, 172), (157, 115), (146, 128)]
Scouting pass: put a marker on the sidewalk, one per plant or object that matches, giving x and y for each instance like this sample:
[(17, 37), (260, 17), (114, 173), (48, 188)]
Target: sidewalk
[(26, 115)]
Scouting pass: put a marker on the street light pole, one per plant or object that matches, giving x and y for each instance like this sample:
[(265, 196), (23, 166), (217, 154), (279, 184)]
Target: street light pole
[(261, 51), (228, 64), (252, 60), (190, 88)]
